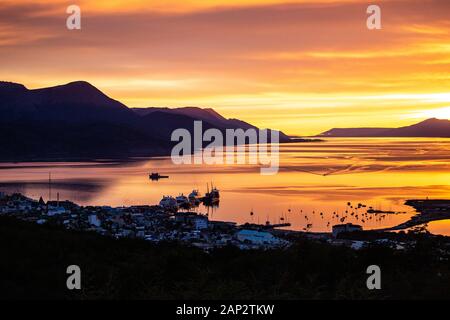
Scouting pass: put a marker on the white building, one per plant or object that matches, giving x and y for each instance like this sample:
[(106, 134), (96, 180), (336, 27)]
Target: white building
[(257, 237), (94, 220)]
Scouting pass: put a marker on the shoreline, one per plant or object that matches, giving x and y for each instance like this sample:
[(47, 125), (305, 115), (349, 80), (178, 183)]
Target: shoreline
[(155, 224)]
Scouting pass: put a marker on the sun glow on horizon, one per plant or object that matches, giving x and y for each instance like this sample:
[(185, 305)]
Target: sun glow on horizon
[(439, 113)]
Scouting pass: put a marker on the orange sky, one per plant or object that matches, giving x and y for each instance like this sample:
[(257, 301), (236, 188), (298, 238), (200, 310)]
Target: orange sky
[(299, 66)]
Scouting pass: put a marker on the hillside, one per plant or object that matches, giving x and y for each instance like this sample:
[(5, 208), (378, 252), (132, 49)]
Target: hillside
[(77, 121), (35, 258)]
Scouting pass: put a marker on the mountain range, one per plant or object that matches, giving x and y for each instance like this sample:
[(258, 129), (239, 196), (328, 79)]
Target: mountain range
[(429, 128), (77, 120)]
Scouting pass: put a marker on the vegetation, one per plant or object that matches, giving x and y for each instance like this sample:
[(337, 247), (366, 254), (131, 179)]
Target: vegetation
[(34, 260)]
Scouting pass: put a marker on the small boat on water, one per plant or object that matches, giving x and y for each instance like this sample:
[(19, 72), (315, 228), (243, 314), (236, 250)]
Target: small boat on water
[(169, 203), (157, 176)]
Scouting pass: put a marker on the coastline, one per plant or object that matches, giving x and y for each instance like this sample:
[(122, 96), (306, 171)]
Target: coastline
[(158, 224)]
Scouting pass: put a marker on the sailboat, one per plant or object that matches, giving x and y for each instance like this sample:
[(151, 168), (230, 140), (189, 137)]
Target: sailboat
[(212, 196)]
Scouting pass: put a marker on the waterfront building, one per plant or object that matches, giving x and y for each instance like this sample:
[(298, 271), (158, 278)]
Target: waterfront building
[(348, 227), (200, 222), (257, 237)]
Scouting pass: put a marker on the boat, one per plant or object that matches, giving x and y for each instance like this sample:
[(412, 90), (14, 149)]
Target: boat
[(169, 203), (194, 197), (212, 196), (157, 176), (183, 201)]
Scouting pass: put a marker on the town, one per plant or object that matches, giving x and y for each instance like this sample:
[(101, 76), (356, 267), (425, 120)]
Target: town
[(164, 222), (153, 223)]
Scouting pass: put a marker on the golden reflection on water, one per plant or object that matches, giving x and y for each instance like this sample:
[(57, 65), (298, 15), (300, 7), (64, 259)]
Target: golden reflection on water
[(312, 189)]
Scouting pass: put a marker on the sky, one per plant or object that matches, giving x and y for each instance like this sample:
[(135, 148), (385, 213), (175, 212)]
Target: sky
[(301, 66)]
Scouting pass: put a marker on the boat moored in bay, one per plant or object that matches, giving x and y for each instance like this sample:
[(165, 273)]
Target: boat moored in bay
[(156, 176)]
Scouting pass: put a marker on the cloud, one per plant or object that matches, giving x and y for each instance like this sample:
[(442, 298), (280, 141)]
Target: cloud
[(271, 55)]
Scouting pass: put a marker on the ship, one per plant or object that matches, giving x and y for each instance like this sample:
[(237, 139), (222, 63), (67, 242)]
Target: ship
[(169, 203), (156, 176), (194, 197), (211, 197), (183, 201)]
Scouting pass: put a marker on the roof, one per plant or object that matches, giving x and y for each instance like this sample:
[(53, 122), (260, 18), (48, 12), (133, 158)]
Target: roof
[(253, 232)]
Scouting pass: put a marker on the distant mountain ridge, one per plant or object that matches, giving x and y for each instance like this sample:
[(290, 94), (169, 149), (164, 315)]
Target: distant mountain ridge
[(428, 128), (207, 115), (78, 120), (204, 114)]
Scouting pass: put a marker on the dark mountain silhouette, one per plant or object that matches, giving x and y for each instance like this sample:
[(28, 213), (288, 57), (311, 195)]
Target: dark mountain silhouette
[(77, 120), (77, 102), (428, 128), (209, 117), (204, 114)]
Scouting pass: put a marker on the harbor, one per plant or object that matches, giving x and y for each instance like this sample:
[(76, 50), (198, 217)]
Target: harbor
[(173, 220), (308, 202)]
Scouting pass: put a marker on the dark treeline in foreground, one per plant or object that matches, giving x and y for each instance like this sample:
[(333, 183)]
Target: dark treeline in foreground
[(34, 260)]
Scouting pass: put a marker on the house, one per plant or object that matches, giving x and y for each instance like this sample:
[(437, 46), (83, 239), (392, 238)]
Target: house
[(68, 205), (54, 211), (200, 222), (94, 220), (140, 232), (357, 245), (184, 217), (138, 218), (348, 227)]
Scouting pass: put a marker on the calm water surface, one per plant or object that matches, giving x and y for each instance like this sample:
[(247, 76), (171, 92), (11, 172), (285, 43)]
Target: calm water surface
[(314, 178)]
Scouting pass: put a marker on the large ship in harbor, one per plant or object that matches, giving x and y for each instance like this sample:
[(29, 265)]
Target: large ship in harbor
[(194, 197), (183, 201), (169, 203), (211, 197)]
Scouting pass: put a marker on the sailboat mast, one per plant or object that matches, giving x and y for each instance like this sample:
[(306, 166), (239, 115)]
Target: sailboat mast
[(49, 186)]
